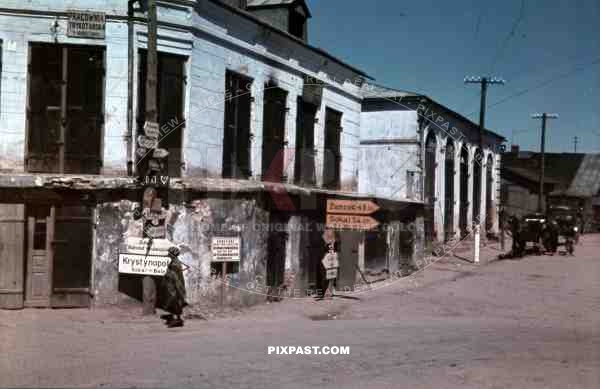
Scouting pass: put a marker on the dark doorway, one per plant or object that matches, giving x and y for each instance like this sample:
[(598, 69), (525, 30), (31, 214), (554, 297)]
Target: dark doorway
[(464, 190), (430, 166), (331, 168), (273, 133), (170, 101), (65, 113), (477, 161), (276, 245), (59, 255), (304, 162), (490, 208), (449, 190), (236, 135)]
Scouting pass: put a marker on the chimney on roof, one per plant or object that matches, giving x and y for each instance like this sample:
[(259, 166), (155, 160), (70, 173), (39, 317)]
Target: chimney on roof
[(514, 149), (290, 16)]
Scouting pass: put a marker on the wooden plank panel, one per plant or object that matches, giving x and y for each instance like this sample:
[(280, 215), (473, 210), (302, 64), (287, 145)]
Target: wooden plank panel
[(12, 240)]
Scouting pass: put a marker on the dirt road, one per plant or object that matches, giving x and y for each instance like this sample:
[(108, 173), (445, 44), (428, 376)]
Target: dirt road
[(532, 323)]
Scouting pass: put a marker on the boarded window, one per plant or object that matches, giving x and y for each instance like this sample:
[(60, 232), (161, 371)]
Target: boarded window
[(170, 98), (331, 168), (236, 135), (65, 109), (304, 169), (273, 133)]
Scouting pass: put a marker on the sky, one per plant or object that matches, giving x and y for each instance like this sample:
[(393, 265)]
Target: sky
[(547, 51)]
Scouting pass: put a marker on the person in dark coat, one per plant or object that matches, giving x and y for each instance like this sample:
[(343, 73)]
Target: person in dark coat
[(173, 291)]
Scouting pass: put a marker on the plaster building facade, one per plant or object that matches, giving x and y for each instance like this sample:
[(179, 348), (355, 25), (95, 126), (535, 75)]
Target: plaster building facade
[(261, 128), (422, 149)]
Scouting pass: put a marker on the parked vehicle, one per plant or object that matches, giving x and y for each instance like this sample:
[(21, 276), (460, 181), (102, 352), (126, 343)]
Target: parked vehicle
[(568, 221)]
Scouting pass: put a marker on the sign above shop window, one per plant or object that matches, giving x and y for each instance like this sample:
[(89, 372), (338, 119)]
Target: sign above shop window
[(86, 24)]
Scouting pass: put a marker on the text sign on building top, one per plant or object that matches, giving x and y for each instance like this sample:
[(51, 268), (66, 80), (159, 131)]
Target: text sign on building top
[(86, 24), (351, 207)]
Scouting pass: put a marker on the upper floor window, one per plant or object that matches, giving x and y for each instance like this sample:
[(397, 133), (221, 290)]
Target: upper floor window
[(333, 156), (170, 103), (236, 134), (65, 112)]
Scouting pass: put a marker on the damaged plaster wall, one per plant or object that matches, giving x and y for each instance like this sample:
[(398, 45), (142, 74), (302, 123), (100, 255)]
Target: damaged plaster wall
[(191, 227)]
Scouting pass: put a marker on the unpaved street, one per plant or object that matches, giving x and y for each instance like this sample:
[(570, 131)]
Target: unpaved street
[(532, 323)]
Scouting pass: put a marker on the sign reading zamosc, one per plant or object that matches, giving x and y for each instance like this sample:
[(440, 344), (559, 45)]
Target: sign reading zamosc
[(86, 24)]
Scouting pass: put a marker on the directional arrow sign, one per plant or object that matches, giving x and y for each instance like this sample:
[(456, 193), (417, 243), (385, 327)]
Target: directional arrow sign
[(146, 142), (160, 153), (351, 222), (351, 207), (151, 130)]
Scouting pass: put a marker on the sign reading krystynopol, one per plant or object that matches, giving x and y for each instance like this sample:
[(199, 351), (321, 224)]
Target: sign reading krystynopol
[(86, 24)]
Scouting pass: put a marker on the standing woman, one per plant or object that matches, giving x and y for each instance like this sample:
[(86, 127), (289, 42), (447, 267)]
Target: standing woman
[(173, 290)]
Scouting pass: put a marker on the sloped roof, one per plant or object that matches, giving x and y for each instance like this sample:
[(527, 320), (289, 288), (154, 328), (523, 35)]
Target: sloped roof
[(587, 179), (375, 91), (259, 3), (560, 168), (277, 3)]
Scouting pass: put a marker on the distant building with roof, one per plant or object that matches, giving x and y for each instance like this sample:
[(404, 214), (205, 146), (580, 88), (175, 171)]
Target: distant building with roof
[(569, 179)]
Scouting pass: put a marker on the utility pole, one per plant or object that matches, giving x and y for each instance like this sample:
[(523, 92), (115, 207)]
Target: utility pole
[(544, 116), (148, 284), (484, 81), (575, 141)]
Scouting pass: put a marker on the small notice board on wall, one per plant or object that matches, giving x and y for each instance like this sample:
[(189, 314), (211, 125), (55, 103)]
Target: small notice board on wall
[(226, 249), (86, 24)]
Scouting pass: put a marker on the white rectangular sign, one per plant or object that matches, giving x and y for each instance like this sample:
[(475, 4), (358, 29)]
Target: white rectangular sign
[(226, 249), (160, 247), (142, 264)]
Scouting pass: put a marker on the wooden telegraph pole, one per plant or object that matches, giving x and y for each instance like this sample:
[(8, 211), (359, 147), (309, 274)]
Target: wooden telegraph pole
[(544, 116), (150, 129), (484, 81)]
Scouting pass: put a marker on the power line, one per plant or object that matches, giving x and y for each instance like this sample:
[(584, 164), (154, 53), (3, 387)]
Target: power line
[(541, 84), (513, 29)]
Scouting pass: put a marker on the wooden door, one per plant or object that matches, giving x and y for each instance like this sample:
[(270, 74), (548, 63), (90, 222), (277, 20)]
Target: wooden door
[(40, 229), (12, 243), (72, 256)]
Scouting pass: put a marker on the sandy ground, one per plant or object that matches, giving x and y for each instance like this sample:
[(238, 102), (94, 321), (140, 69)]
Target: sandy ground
[(531, 323)]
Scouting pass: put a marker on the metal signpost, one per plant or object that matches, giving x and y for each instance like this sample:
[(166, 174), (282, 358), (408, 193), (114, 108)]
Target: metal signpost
[(225, 249)]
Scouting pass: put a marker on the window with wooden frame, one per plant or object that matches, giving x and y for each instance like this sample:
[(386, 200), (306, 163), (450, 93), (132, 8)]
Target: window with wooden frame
[(65, 111), (304, 162), (333, 157), (274, 113), (236, 135), (170, 100)]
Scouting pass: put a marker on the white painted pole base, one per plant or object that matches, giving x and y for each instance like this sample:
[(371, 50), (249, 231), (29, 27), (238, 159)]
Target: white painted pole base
[(476, 245)]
